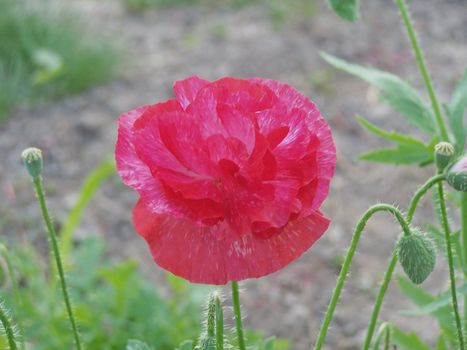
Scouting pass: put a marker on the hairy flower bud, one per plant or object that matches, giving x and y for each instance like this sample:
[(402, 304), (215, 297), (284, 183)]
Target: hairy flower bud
[(444, 152), (457, 175), (32, 159), (416, 254)]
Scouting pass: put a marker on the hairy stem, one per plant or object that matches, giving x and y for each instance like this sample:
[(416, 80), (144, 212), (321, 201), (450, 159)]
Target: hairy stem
[(9, 332), (463, 254), (238, 315), (14, 288), (348, 261), (379, 300), (219, 325), (452, 277), (443, 134), (56, 252), (393, 262)]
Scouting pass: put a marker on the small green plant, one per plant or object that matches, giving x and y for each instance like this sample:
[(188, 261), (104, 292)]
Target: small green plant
[(45, 54)]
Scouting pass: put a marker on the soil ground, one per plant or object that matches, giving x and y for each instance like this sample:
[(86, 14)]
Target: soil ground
[(77, 133)]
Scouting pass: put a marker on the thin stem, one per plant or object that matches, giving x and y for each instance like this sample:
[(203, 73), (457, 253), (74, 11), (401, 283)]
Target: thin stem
[(387, 338), (393, 262), (447, 234), (219, 325), (9, 332), (56, 252), (238, 315), (420, 193), (464, 243), (348, 261), (423, 69), (14, 288), (379, 300)]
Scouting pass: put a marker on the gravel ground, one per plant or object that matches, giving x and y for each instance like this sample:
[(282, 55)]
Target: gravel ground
[(76, 134)]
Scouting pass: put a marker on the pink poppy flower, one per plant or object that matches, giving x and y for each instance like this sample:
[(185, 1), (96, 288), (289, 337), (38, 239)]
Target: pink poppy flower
[(230, 174)]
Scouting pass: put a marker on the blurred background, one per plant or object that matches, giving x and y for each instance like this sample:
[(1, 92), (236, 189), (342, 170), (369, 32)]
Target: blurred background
[(68, 69)]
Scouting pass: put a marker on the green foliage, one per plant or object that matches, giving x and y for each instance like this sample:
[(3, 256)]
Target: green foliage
[(113, 303), (45, 54), (455, 112), (347, 9), (140, 5), (396, 92), (92, 182), (408, 148), (134, 344), (440, 301), (407, 341), (421, 297), (278, 10)]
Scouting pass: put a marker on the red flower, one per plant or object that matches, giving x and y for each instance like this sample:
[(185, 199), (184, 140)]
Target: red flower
[(231, 175)]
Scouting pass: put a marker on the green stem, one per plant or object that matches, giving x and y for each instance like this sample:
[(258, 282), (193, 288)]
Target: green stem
[(464, 242), (452, 277), (56, 252), (219, 325), (8, 329), (423, 69), (393, 262), (420, 193), (348, 261), (387, 338), (14, 289), (238, 315), (379, 300)]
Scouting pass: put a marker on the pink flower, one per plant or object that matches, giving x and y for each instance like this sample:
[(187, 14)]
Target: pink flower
[(231, 175)]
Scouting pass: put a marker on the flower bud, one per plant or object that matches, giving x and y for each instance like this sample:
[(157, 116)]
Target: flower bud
[(32, 159), (416, 254), (444, 152), (457, 175)]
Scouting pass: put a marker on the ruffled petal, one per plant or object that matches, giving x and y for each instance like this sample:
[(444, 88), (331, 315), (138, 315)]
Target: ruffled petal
[(133, 171), (199, 254), (187, 89), (326, 151)]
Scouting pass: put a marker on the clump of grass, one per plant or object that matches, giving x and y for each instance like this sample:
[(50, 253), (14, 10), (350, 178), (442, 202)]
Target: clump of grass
[(45, 54), (141, 5), (278, 9)]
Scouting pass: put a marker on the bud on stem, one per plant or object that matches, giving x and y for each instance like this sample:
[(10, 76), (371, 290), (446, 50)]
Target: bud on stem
[(444, 151), (32, 159), (457, 175), (416, 254)]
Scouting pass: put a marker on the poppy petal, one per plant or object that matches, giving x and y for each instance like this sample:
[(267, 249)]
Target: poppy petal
[(200, 255)]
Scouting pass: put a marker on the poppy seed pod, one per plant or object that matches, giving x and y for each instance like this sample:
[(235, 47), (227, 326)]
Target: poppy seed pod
[(444, 152), (457, 175), (416, 254), (32, 159)]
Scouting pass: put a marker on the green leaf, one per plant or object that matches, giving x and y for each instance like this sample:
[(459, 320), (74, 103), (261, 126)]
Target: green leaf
[(402, 154), (440, 301), (456, 112), (395, 91), (440, 242), (346, 9), (407, 341), (421, 297), (134, 344), (441, 343), (92, 182), (389, 135), (50, 66), (186, 345), (269, 343)]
